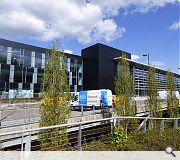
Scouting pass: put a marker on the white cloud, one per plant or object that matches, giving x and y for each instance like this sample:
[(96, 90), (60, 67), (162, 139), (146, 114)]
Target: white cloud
[(175, 26), (157, 63), (68, 51), (53, 18), (86, 22), (107, 30), (134, 57), (143, 6)]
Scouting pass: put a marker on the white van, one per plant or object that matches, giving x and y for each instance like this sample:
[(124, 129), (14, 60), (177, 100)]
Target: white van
[(97, 98), (163, 94)]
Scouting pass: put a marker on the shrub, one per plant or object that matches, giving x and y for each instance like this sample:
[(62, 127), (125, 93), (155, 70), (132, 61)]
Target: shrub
[(103, 144), (118, 137), (152, 140)]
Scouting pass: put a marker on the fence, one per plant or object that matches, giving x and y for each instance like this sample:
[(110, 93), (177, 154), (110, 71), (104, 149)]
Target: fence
[(29, 113), (79, 133)]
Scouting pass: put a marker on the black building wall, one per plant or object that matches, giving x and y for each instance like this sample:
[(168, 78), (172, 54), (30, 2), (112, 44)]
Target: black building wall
[(90, 67), (99, 67)]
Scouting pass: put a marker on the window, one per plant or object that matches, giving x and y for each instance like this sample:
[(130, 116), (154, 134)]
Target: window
[(26, 86), (3, 54), (37, 88), (40, 75), (43, 60), (14, 86), (2, 86), (16, 57), (38, 60), (29, 75), (4, 74), (18, 74), (27, 58), (76, 98)]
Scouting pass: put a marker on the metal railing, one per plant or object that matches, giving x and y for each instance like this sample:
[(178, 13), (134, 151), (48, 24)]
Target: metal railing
[(28, 115), (27, 139)]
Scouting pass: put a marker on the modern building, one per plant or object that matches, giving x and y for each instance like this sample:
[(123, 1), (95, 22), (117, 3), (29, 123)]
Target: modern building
[(22, 69), (100, 64), (139, 73)]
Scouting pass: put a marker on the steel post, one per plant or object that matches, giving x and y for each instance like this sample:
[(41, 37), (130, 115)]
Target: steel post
[(111, 124), (162, 125), (80, 139), (81, 110), (175, 124), (144, 126), (93, 109), (22, 142), (28, 143)]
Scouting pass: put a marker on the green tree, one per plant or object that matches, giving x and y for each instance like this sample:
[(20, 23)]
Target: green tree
[(153, 100), (124, 89), (172, 101), (54, 108)]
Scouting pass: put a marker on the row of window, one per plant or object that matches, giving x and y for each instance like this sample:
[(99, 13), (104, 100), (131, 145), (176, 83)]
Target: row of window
[(19, 74), (6, 86), (21, 65), (22, 57), (140, 79)]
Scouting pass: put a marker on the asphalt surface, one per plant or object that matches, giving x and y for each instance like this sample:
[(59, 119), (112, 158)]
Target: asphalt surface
[(18, 114), (23, 113)]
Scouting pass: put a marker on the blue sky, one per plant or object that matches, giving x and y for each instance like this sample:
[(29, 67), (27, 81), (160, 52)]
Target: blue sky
[(138, 27)]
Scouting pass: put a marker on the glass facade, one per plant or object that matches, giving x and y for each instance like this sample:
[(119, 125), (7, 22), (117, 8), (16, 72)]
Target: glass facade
[(140, 80), (22, 69), (139, 74)]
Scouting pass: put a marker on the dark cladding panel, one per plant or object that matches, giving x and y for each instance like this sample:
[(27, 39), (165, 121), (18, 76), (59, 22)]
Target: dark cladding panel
[(99, 66), (90, 68), (107, 66)]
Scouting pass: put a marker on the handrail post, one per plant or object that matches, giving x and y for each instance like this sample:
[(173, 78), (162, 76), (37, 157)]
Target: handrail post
[(22, 141), (28, 143), (111, 122), (175, 124), (80, 138), (81, 110), (22, 148), (162, 125), (0, 115), (144, 126), (25, 116), (93, 109), (34, 115)]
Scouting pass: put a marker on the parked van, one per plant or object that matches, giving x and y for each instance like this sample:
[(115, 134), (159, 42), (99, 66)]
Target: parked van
[(97, 98), (163, 94)]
